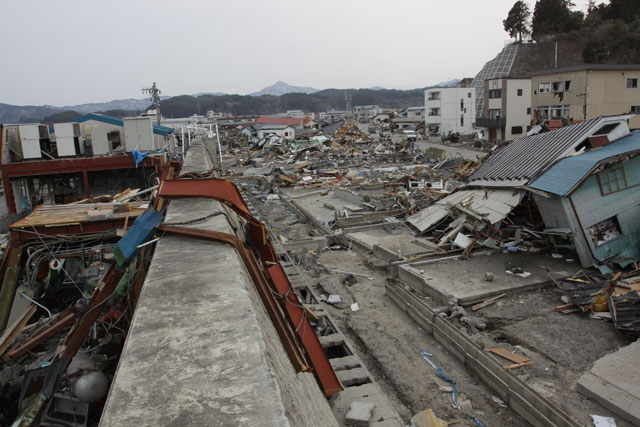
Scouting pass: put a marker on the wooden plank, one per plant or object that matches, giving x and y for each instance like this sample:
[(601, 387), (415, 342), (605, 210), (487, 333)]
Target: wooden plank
[(517, 365), (504, 353), (12, 331), (486, 303)]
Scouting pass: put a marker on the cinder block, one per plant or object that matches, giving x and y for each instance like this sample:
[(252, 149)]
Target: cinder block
[(359, 414), (353, 376), (343, 363)]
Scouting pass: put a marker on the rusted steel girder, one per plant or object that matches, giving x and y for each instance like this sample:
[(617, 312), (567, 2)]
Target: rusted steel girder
[(80, 330), (226, 192)]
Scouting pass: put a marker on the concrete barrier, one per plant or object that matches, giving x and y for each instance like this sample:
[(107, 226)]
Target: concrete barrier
[(524, 400)]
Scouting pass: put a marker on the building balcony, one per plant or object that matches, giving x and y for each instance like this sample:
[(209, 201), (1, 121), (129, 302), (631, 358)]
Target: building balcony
[(486, 122)]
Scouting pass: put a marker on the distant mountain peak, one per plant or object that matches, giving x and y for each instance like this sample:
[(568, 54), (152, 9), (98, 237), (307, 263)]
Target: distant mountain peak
[(450, 83), (282, 88)]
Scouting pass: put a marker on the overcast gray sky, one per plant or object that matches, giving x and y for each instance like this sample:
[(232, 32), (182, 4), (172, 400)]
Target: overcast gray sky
[(67, 52)]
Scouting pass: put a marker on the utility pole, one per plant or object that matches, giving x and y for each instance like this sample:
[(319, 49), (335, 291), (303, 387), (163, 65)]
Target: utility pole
[(349, 112), (154, 92)]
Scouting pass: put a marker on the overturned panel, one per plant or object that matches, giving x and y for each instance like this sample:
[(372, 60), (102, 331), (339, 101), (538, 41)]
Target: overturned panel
[(493, 205)]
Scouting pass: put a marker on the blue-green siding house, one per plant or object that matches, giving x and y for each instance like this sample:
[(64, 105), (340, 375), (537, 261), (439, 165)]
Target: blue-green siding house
[(595, 198)]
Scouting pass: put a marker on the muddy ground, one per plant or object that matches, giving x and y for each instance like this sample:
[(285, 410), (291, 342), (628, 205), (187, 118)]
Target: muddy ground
[(389, 342)]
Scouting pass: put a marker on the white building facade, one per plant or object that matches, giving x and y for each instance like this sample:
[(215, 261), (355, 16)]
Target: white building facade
[(507, 108), (450, 109)]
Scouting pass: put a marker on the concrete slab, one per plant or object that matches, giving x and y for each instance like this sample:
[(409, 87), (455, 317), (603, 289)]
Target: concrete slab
[(464, 280), (614, 382), (314, 203), (391, 242)]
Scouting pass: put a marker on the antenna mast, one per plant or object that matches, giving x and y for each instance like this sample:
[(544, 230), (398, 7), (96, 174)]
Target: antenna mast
[(154, 93)]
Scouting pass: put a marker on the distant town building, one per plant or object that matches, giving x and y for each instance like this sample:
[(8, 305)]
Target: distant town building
[(507, 107), (283, 131), (450, 109), (584, 92), (364, 113), (333, 115), (415, 112)]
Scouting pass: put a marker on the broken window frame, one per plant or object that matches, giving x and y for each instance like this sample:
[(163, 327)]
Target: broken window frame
[(597, 231), (615, 175), (553, 111), (544, 88)]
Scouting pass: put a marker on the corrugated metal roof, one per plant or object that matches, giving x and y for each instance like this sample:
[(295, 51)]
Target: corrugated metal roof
[(524, 158), (562, 177), (157, 129), (493, 205)]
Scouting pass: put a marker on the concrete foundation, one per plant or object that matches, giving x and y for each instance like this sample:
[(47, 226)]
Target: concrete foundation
[(464, 280), (614, 382)]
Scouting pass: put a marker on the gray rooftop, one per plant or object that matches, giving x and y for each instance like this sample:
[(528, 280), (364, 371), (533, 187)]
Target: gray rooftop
[(523, 159)]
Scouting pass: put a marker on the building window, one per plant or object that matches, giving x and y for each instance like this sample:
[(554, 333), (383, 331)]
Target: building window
[(559, 87), (544, 88), (612, 181), (418, 113), (495, 93), (461, 104), (495, 113), (461, 120), (434, 111), (632, 83), (468, 94), (553, 112), (529, 110), (604, 231), (519, 92), (635, 109), (516, 130), (433, 96)]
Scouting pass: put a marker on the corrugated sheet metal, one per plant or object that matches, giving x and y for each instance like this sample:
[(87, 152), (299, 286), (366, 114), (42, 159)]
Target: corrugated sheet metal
[(568, 172), (494, 205), (524, 158)]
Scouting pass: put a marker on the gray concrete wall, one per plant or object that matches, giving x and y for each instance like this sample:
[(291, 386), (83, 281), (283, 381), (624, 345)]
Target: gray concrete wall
[(201, 349)]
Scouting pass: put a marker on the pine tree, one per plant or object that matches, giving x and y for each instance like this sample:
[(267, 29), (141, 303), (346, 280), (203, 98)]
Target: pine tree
[(517, 24)]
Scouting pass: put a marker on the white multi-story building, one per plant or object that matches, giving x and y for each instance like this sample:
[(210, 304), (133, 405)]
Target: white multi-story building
[(450, 109), (507, 107), (364, 113)]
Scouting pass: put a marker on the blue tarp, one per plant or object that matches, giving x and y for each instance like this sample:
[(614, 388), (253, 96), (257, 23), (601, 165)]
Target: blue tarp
[(138, 156)]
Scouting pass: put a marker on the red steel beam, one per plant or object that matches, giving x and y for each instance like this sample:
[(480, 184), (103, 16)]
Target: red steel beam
[(76, 164), (80, 330), (82, 165), (226, 192)]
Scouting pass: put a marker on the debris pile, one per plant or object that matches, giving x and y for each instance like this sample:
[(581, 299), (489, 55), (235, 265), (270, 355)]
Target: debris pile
[(65, 309)]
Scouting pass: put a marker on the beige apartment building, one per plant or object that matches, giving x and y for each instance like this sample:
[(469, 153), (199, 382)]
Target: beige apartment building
[(586, 91), (507, 108)]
